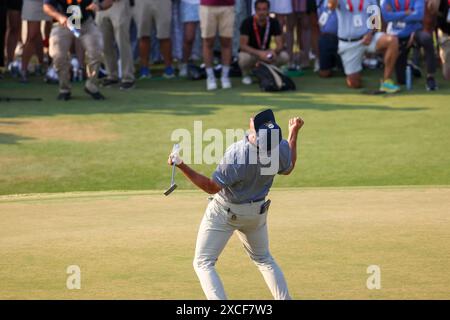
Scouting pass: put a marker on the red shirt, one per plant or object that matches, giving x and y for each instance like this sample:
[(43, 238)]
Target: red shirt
[(217, 2)]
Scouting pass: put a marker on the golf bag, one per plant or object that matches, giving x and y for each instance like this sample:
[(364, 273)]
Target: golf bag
[(271, 78)]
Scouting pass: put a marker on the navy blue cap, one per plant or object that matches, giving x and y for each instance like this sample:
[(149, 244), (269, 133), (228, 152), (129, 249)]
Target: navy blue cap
[(266, 127)]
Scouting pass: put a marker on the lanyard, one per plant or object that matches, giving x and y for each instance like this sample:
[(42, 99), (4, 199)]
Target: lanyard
[(350, 5), (266, 33), (397, 4)]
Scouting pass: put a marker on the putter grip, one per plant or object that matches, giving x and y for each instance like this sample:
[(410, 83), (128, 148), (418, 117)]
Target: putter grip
[(176, 148)]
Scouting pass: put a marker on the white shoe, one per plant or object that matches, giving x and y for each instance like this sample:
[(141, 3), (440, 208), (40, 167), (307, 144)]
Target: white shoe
[(183, 71), (211, 84), (316, 65), (247, 80), (226, 83)]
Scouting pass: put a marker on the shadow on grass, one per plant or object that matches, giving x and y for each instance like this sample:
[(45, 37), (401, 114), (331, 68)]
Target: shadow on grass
[(6, 138), (186, 98)]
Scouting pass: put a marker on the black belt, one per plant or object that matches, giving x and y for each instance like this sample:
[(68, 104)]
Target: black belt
[(350, 40), (257, 200)]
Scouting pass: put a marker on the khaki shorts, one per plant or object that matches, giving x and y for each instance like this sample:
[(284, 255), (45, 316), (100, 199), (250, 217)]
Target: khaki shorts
[(215, 19), (147, 13), (444, 44), (352, 53)]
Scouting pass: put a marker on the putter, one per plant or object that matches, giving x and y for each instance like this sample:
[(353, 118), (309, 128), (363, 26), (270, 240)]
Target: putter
[(173, 185)]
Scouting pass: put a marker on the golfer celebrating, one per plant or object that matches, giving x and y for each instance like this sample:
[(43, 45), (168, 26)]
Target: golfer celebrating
[(241, 183)]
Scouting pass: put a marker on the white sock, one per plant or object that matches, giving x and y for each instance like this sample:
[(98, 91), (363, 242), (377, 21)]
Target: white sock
[(225, 71), (210, 73)]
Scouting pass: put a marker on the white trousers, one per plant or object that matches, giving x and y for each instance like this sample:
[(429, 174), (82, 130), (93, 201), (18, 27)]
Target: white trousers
[(217, 226)]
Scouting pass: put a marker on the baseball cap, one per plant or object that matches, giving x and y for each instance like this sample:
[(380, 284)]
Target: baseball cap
[(266, 128)]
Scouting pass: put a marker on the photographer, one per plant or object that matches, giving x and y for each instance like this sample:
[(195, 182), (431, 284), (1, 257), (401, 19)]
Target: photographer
[(256, 34)]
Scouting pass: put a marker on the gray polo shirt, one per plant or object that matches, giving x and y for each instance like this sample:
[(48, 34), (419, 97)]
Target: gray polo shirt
[(246, 177), (353, 24)]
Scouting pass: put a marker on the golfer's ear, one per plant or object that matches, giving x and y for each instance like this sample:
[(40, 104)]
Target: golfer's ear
[(252, 124)]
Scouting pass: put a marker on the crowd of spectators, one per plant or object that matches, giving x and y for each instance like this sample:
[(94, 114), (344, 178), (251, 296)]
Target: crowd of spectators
[(119, 41)]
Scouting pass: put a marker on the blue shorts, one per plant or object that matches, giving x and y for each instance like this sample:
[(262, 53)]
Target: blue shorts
[(189, 12)]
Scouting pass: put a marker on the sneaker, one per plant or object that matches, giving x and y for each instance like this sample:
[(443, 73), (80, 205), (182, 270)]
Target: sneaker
[(127, 85), (431, 84), (14, 68), (247, 80), (225, 82), (23, 78), (316, 65), (144, 73), (183, 70), (95, 95), (388, 86), (169, 73), (109, 82), (211, 84), (64, 96)]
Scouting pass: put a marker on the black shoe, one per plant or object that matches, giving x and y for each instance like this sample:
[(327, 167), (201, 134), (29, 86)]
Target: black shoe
[(126, 85), (64, 96), (109, 82), (95, 95), (431, 84)]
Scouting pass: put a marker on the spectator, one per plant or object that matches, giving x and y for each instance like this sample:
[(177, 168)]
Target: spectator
[(285, 17), (61, 39), (256, 35), (430, 15), (307, 30), (14, 28), (355, 39), (217, 16), (33, 13), (190, 19), (114, 24), (328, 40), (443, 24), (404, 19), (240, 14), (149, 13), (176, 33)]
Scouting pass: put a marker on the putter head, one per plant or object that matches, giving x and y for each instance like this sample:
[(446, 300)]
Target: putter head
[(170, 190)]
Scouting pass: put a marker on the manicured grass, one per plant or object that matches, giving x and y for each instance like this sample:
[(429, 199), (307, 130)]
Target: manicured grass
[(349, 139), (140, 245)]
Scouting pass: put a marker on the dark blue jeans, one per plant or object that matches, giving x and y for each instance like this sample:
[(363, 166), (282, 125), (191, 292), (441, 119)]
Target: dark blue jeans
[(421, 39)]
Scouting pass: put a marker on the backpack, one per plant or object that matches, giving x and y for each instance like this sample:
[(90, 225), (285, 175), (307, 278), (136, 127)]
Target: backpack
[(271, 78), (196, 72)]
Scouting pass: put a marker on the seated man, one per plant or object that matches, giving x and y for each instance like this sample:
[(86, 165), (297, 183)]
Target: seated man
[(404, 19), (355, 39), (256, 34), (443, 24), (328, 40)]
